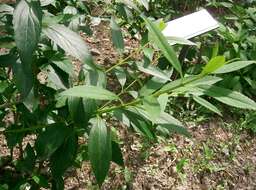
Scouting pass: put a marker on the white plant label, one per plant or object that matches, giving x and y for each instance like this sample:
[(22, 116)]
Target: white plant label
[(191, 25)]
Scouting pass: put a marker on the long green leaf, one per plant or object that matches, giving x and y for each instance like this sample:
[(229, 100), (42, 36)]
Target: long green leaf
[(70, 41), (92, 92), (207, 104), (121, 76), (190, 82), (163, 44), (23, 79), (234, 66), (228, 97), (27, 27), (27, 20), (100, 149), (117, 37), (154, 71)]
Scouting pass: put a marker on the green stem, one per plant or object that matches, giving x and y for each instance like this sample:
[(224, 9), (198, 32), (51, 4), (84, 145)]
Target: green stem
[(156, 94), (106, 110), (24, 129)]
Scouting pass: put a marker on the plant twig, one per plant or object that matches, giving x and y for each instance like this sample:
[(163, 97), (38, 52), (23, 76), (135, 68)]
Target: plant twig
[(124, 60)]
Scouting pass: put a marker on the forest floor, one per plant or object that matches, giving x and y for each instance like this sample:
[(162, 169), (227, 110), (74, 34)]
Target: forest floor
[(215, 157)]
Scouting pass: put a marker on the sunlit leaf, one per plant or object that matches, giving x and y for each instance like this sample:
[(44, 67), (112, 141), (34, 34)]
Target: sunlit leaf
[(92, 92), (234, 66), (70, 41), (214, 64), (163, 44), (6, 9), (154, 71)]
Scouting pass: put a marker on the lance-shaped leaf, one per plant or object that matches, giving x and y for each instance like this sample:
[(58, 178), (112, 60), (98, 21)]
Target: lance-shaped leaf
[(163, 44), (228, 97), (154, 71), (100, 149), (117, 37), (92, 92), (27, 27), (234, 66), (70, 41), (207, 104), (190, 81)]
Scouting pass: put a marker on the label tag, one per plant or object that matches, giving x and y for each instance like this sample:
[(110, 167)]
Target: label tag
[(191, 25)]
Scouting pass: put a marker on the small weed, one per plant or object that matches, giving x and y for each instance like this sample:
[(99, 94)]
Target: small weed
[(180, 168)]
